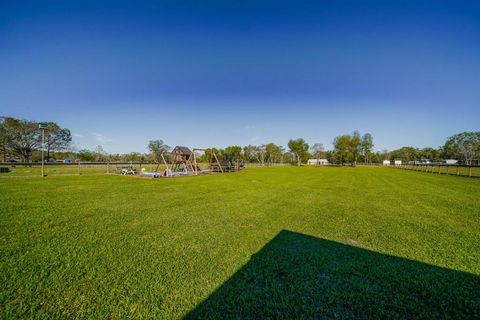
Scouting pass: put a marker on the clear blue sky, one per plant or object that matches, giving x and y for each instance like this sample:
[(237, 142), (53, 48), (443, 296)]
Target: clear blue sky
[(216, 73)]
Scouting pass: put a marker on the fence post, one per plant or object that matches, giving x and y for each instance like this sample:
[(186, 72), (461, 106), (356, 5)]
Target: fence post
[(108, 167), (458, 170), (469, 171), (78, 167), (447, 170)]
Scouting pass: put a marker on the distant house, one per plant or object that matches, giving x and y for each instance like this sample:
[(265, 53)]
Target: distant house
[(67, 160), (450, 161), (317, 162), (397, 162), (386, 162)]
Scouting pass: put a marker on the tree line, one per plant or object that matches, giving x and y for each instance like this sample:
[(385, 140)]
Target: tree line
[(21, 139)]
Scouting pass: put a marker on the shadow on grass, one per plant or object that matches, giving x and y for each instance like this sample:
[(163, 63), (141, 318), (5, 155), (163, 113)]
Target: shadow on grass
[(299, 276)]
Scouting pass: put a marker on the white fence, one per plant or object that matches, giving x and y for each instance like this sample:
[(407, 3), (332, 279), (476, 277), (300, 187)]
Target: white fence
[(446, 169)]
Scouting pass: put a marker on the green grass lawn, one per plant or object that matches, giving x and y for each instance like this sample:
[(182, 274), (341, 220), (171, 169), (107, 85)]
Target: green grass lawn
[(266, 242)]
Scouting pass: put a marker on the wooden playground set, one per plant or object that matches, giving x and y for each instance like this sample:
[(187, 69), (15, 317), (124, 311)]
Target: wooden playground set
[(184, 163)]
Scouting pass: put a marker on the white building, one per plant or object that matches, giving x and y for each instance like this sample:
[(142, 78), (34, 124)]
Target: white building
[(317, 162), (386, 162), (450, 161), (397, 162)]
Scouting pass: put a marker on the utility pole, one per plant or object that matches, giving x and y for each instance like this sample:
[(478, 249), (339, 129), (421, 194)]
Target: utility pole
[(42, 126)]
